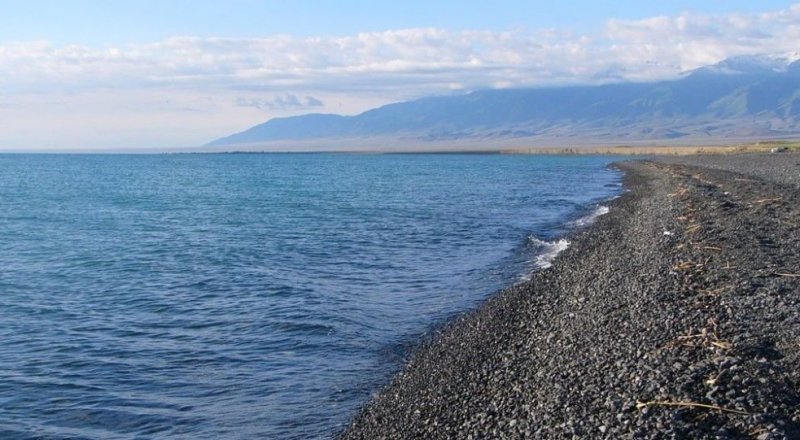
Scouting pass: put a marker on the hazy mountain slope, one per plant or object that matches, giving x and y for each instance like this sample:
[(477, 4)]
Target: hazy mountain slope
[(738, 97)]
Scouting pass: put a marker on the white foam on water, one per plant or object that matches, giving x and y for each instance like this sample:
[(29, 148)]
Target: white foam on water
[(547, 251), (592, 217)]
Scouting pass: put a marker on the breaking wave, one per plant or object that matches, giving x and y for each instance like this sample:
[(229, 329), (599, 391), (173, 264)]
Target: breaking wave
[(546, 251), (591, 217)]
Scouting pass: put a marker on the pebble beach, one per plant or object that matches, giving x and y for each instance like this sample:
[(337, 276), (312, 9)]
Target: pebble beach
[(675, 315)]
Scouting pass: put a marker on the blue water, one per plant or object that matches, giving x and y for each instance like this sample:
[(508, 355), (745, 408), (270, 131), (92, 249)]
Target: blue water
[(249, 296)]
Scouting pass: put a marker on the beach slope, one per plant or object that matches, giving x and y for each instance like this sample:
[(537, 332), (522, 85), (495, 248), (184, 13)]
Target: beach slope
[(676, 315)]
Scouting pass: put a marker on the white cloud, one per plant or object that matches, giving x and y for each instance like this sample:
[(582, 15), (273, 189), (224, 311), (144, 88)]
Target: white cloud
[(247, 77), (282, 102)]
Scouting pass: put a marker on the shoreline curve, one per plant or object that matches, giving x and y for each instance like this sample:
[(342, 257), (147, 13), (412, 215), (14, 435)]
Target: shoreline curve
[(675, 315)]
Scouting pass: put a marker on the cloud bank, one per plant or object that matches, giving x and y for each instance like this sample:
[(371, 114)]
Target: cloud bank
[(279, 75), (286, 102)]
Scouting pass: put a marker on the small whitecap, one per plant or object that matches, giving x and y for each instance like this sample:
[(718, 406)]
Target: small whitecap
[(547, 251), (591, 217)]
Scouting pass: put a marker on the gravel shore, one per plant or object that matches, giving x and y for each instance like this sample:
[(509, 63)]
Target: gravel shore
[(676, 315), (781, 168)]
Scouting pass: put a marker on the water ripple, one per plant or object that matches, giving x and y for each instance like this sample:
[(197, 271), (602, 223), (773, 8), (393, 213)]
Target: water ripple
[(248, 296)]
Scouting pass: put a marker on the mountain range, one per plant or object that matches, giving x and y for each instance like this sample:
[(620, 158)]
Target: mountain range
[(749, 97)]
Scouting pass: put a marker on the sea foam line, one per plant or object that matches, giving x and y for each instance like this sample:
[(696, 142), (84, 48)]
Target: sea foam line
[(547, 251), (591, 217)]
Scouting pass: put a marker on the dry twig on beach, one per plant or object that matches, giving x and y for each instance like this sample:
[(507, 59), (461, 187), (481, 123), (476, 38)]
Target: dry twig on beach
[(642, 405), (768, 200), (708, 337), (713, 292), (693, 228)]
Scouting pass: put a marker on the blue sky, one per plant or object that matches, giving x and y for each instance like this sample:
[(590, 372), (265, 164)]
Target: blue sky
[(95, 22), (164, 74)]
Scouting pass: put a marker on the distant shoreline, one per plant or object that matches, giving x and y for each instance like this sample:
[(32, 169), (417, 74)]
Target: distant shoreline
[(612, 150), (362, 146), (666, 150), (567, 149)]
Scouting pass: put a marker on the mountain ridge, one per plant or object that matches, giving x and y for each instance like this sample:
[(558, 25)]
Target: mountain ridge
[(738, 97)]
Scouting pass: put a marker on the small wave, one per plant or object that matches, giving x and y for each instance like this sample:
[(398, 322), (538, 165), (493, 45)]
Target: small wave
[(547, 251), (592, 217)]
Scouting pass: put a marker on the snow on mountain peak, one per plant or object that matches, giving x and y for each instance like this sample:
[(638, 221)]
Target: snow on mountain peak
[(752, 64)]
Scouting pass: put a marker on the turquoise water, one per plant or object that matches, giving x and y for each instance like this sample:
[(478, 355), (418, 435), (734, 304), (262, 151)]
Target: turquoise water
[(250, 296)]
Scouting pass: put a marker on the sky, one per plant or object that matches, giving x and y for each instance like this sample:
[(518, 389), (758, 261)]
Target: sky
[(84, 74)]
